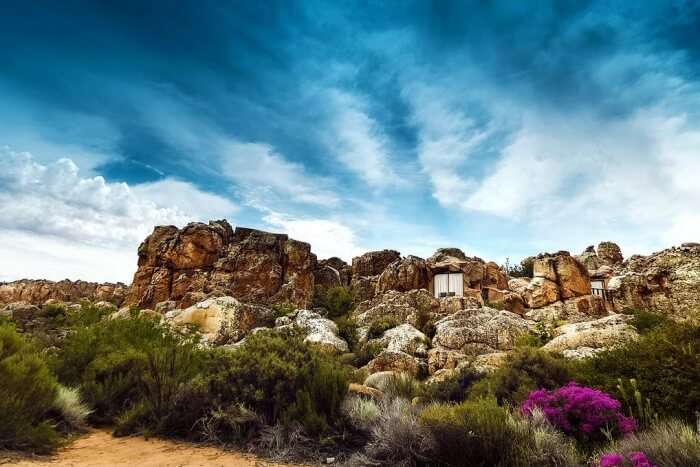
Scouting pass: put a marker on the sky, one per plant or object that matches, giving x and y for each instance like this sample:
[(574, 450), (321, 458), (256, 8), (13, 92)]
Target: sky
[(502, 128)]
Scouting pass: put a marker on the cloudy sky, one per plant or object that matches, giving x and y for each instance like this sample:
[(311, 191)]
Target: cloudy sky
[(503, 128)]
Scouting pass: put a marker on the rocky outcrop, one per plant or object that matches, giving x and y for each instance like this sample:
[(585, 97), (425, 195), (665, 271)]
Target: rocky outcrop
[(319, 331), (36, 292), (479, 331), (608, 254), (396, 361), (570, 276), (541, 292), (405, 307), (222, 320), (476, 272), (667, 282), (584, 339), (373, 263), (332, 272), (504, 299), (204, 260), (573, 310), (403, 275), (404, 338)]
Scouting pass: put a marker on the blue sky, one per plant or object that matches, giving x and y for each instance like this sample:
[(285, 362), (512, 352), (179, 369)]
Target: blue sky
[(503, 128)]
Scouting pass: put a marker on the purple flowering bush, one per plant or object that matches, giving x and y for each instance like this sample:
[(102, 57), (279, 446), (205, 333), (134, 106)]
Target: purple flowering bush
[(633, 459), (580, 411)]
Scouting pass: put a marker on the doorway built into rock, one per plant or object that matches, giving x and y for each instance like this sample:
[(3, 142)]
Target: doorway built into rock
[(449, 284)]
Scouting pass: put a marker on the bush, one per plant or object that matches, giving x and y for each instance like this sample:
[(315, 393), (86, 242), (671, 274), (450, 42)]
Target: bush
[(526, 370), (281, 378), (28, 393), (366, 353), (347, 330), (585, 413), (402, 385), (665, 362), (337, 301), (669, 443), (473, 433), (397, 438), (377, 328), (361, 412), (133, 365), (72, 410), (644, 320), (453, 388)]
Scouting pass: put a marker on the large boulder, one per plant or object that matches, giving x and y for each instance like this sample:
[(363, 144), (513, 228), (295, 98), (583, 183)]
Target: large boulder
[(570, 275), (405, 307), (504, 299), (209, 260), (396, 361), (332, 272), (403, 275), (572, 310), (541, 292), (479, 331), (580, 340), (667, 282), (222, 320), (610, 254), (373, 263), (405, 338), (320, 331), (36, 292)]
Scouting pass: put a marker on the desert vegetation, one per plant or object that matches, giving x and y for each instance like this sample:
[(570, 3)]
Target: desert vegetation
[(276, 395)]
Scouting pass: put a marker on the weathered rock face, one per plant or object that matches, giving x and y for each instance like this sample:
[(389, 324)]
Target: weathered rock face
[(373, 263), (570, 276), (572, 310), (584, 339), (505, 299), (610, 254), (389, 360), (405, 307), (203, 260), (222, 320), (37, 292), (541, 292), (476, 272), (479, 331), (332, 272), (403, 275), (667, 282), (319, 331), (405, 338)]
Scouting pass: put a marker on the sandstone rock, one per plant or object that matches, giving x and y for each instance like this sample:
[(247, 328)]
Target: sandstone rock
[(572, 310), (320, 331), (363, 288), (471, 299), (504, 299), (406, 307), (332, 272), (489, 362), (125, 312), (21, 311), (441, 358), (541, 292), (610, 254), (603, 333), (570, 276), (378, 380), (373, 263), (389, 360), (519, 285), (479, 331), (222, 320), (36, 292), (405, 338), (589, 258), (166, 306), (476, 272), (208, 260), (403, 275)]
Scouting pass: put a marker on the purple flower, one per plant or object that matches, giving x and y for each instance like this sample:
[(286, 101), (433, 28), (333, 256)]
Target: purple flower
[(639, 459), (611, 460), (580, 411)]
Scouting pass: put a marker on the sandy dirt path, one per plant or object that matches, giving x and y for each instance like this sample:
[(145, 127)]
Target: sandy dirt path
[(100, 448)]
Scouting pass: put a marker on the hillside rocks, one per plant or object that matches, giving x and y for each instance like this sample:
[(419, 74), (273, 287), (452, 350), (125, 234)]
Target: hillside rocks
[(403, 275), (36, 292), (608, 254), (405, 338), (572, 310), (667, 282), (332, 272), (476, 272), (580, 340), (202, 260), (404, 307), (566, 272), (373, 263), (221, 320), (319, 331)]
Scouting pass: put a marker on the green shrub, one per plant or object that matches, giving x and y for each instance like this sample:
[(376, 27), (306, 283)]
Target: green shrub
[(282, 309), (73, 412), (644, 320), (119, 364), (281, 378), (347, 330), (337, 301), (526, 370), (665, 362), (361, 412), (402, 385), (27, 394), (669, 443), (367, 352), (377, 328), (473, 433), (453, 388)]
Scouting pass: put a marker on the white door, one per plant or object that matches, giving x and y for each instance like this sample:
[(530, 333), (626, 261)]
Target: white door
[(451, 284)]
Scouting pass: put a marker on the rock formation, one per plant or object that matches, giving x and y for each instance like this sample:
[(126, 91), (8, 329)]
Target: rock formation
[(36, 292), (202, 260)]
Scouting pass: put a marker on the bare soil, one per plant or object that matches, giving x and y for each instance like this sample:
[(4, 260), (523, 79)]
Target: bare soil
[(100, 449)]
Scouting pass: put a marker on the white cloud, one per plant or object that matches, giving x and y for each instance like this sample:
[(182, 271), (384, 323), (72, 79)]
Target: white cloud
[(261, 172), (358, 142), (327, 237), (82, 227)]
